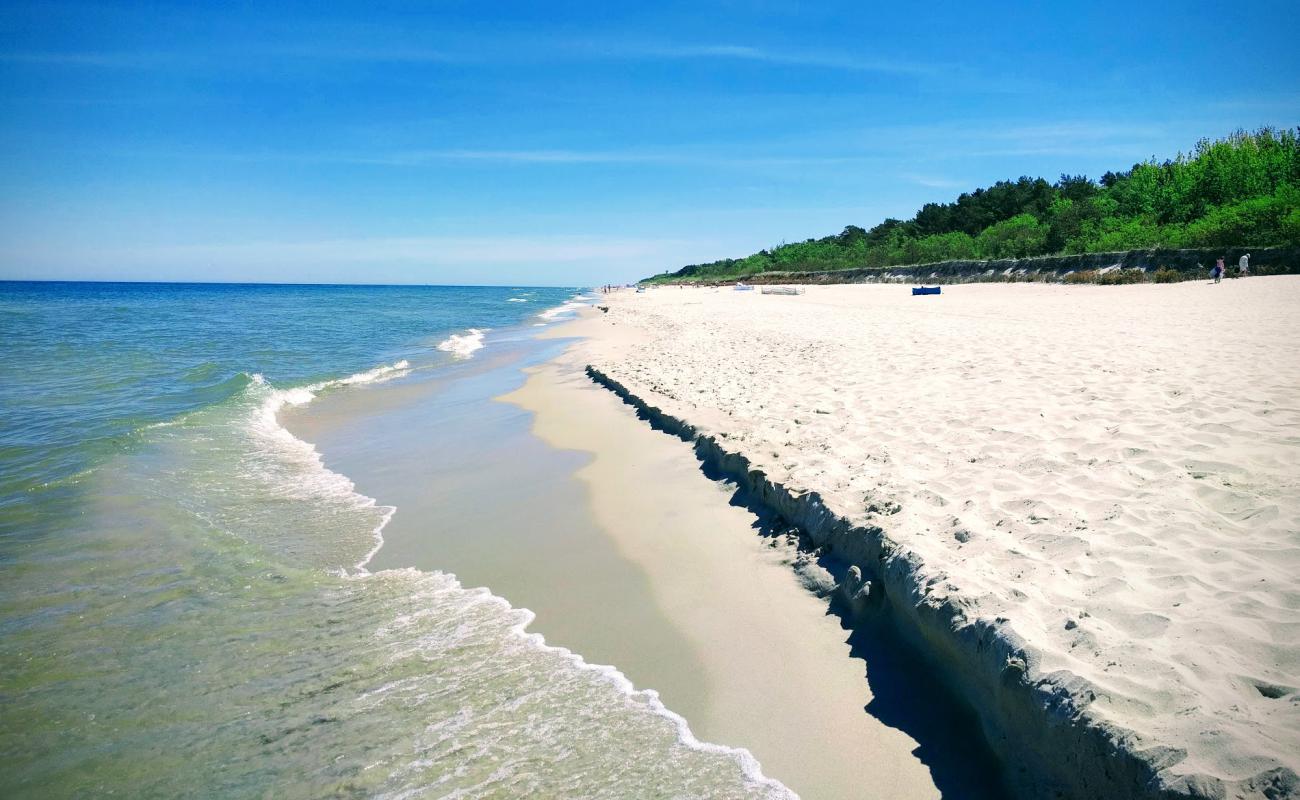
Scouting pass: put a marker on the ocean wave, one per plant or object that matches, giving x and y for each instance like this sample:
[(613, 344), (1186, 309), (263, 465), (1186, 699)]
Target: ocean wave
[(297, 471), (307, 476), (428, 593), (518, 300), (376, 375), (552, 314), (462, 346), (314, 481), (749, 765)]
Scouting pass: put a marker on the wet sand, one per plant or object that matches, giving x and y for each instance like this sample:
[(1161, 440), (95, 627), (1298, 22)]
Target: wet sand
[(562, 501), (780, 680), (479, 496)]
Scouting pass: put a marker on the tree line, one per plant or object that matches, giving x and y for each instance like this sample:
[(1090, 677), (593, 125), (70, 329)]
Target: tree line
[(1243, 190)]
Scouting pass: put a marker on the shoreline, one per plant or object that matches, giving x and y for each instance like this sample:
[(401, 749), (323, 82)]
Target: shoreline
[(1043, 720), (738, 633), (886, 571), (755, 631)]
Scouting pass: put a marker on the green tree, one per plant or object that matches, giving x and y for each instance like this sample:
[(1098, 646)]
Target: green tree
[(1120, 233), (940, 247), (1259, 220), (1019, 237), (1240, 190)]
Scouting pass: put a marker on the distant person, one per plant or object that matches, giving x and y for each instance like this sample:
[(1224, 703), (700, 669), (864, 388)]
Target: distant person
[(1217, 272), (1243, 265)]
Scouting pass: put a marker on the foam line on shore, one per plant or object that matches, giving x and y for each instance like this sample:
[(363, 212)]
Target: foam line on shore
[(320, 482), (1042, 725), (554, 314), (524, 617), (749, 765), (463, 345)]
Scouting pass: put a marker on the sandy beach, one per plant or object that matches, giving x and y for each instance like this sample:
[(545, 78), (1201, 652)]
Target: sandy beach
[(1102, 481), (753, 633), (546, 489)]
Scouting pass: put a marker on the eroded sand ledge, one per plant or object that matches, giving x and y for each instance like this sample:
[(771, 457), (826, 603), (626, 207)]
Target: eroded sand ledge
[(1159, 725)]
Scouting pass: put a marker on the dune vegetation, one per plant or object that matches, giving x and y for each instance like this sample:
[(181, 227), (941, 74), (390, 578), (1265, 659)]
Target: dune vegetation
[(1243, 190)]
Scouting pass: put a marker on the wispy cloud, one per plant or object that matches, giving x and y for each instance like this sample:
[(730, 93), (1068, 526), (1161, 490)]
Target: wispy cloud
[(379, 55), (1283, 101), (417, 157), (106, 59), (912, 153), (1073, 132), (510, 157), (932, 182), (518, 52), (232, 58), (739, 52), (437, 250), (977, 138), (668, 158)]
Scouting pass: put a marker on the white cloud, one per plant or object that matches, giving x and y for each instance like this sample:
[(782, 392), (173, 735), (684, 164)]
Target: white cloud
[(683, 158), (803, 58), (519, 52), (686, 156), (108, 60), (932, 181), (416, 157)]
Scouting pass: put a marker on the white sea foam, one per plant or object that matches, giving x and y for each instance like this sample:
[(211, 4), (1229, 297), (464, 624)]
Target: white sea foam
[(426, 596), (552, 314), (749, 765), (567, 308), (314, 481), (463, 345), (311, 479), (265, 424), (518, 300), (376, 375)]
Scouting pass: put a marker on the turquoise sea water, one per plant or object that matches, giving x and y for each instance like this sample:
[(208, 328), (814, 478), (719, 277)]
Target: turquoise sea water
[(184, 604)]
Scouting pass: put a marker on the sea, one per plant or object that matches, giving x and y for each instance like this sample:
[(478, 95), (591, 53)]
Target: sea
[(186, 603)]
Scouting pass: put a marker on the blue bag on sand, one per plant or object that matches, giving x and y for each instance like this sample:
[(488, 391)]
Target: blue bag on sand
[(925, 289)]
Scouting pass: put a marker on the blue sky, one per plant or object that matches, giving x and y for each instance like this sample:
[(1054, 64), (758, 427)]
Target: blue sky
[(573, 142)]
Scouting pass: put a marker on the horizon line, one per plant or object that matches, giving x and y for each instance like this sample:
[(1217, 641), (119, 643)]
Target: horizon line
[(301, 283)]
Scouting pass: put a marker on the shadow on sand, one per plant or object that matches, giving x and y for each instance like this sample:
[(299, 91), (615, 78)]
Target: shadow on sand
[(907, 694)]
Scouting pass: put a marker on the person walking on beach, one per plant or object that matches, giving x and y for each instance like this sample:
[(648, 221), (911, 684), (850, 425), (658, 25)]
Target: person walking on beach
[(1243, 265), (1217, 272)]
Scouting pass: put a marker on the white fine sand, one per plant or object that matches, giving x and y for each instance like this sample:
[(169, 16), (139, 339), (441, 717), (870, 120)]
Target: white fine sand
[(769, 669), (1115, 470)]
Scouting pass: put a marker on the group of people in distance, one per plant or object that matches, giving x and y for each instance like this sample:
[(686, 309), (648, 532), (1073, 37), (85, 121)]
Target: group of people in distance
[(1218, 271)]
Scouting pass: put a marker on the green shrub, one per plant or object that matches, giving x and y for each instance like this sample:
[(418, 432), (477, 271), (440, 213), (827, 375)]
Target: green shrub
[(1121, 276), (1019, 237), (1290, 227), (1118, 233), (1265, 220), (1112, 277), (1240, 191), (1274, 269), (940, 247), (1166, 275)]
